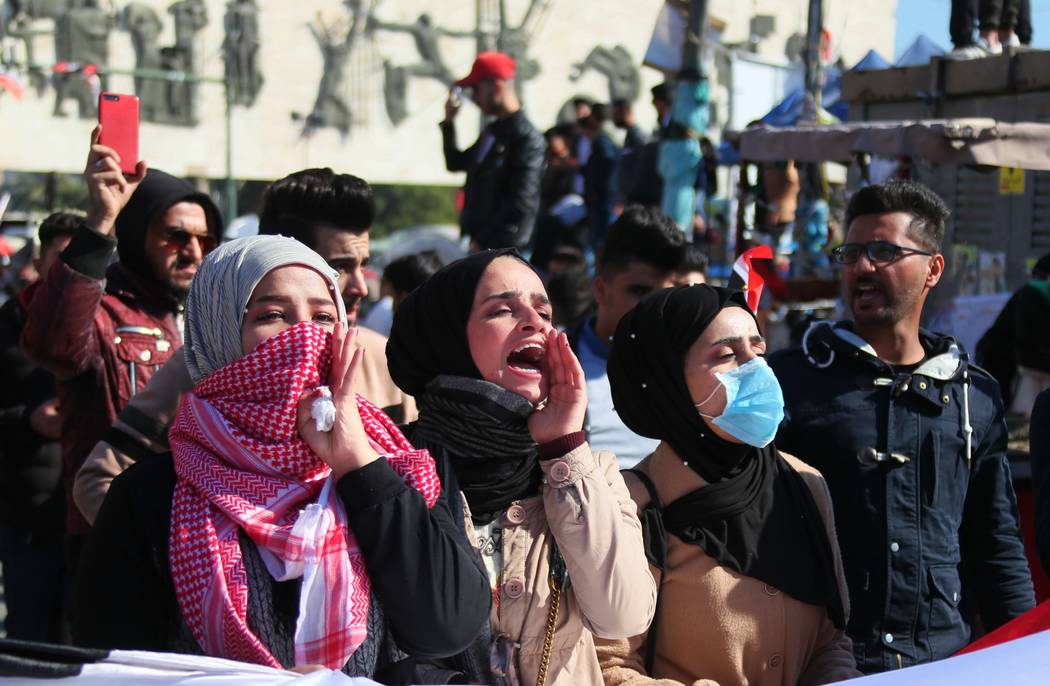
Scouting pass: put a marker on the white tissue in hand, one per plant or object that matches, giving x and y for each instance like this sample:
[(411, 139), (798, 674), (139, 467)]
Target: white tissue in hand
[(323, 409)]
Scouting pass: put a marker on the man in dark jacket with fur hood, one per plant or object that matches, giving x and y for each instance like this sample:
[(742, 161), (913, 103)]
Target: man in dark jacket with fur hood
[(911, 440), (103, 328)]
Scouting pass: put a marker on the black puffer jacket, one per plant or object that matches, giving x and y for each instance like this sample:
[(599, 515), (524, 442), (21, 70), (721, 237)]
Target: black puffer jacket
[(502, 192), (927, 521)]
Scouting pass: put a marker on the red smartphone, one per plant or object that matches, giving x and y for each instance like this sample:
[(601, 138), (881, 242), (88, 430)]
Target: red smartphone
[(119, 116)]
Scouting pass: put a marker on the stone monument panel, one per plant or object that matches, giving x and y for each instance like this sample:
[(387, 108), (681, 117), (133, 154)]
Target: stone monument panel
[(358, 85)]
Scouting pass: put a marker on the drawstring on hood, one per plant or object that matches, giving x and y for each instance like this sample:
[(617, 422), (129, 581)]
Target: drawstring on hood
[(821, 339)]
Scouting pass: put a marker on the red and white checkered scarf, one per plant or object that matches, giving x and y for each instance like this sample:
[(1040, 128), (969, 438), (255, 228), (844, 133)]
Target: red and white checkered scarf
[(241, 465)]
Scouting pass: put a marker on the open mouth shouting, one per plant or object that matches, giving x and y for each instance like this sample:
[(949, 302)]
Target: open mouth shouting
[(868, 295), (527, 360)]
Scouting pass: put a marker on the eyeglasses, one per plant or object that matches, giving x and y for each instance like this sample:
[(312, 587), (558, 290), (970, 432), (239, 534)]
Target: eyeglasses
[(878, 252), (176, 241)]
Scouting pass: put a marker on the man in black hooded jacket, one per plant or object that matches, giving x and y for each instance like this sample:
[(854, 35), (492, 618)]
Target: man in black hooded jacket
[(103, 327)]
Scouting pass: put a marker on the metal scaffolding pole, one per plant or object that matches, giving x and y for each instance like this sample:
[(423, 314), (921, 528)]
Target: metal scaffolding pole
[(812, 58), (693, 44)]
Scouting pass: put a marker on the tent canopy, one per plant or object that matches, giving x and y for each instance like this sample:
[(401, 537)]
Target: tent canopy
[(919, 52), (871, 62), (948, 141)]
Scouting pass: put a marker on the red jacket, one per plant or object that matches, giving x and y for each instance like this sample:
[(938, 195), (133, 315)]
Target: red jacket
[(102, 339)]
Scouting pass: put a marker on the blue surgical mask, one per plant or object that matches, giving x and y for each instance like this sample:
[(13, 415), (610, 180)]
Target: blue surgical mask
[(754, 403)]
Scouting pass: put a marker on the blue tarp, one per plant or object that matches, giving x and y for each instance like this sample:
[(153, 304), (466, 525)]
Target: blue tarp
[(789, 110)]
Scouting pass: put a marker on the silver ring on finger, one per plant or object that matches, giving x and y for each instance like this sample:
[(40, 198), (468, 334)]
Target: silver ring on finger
[(99, 164)]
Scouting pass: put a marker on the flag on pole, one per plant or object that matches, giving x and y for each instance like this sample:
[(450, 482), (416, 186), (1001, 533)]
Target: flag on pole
[(747, 276)]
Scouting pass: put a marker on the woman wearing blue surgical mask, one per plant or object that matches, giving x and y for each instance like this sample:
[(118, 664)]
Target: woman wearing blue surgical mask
[(739, 536)]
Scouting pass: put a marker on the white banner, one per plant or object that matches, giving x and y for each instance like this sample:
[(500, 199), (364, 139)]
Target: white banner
[(128, 667)]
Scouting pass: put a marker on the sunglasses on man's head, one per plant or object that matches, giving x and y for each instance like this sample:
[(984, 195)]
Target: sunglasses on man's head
[(878, 252), (177, 240)]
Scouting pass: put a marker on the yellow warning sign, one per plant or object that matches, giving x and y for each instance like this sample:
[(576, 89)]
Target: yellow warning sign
[(1011, 181)]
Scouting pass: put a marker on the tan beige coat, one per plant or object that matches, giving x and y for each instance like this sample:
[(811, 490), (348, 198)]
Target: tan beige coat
[(718, 627), (159, 400), (586, 507)]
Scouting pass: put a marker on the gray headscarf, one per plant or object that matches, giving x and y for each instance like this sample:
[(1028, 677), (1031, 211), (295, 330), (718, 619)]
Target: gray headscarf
[(222, 287)]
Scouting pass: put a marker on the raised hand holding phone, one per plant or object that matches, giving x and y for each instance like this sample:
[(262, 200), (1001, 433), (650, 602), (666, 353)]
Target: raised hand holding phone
[(112, 172)]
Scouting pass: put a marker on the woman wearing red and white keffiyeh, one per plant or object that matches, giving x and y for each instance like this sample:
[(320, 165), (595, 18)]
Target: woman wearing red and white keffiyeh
[(275, 534)]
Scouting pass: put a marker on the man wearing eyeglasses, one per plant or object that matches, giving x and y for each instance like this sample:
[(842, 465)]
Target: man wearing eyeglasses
[(103, 327), (911, 440)]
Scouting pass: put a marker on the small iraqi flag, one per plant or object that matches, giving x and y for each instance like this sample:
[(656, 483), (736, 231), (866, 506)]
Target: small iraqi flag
[(752, 271)]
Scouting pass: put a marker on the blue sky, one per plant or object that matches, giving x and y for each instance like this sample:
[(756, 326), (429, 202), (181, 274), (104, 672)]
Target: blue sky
[(931, 17)]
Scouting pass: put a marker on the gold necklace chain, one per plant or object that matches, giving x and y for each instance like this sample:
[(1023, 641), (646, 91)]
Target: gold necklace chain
[(548, 640)]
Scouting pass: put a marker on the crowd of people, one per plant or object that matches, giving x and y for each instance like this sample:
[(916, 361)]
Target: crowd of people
[(528, 475)]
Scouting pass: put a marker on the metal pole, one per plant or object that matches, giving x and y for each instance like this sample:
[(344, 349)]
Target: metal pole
[(231, 185), (812, 59), (694, 37)]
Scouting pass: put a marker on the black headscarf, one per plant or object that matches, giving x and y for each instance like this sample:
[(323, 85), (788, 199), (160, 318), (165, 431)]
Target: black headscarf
[(756, 515), (480, 427), (429, 335)]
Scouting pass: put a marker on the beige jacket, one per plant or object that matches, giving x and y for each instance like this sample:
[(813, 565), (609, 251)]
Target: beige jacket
[(586, 507), (719, 628), (156, 404)]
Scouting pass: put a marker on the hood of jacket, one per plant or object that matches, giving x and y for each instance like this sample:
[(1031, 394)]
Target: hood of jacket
[(824, 342), (157, 192)]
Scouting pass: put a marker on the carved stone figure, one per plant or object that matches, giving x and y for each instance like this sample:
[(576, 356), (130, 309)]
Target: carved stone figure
[(142, 22), (514, 40), (8, 10), (240, 49), (81, 39), (617, 66), (331, 107), (431, 65), (190, 17)]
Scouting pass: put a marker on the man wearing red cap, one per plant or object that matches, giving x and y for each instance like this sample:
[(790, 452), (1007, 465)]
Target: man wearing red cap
[(502, 191)]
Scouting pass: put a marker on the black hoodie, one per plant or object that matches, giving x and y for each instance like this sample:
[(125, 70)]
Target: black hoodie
[(92, 253)]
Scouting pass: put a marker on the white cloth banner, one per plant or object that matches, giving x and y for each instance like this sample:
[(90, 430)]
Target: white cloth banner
[(1023, 662), (127, 667)]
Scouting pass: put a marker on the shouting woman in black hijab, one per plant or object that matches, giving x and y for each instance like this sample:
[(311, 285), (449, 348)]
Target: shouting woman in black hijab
[(501, 401), (740, 536)]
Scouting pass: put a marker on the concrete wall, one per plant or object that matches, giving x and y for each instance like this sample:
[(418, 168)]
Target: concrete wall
[(268, 142)]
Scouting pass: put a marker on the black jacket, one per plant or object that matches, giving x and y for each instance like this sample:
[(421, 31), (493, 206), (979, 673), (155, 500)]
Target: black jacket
[(930, 536), (434, 596), (1039, 444), (31, 498), (1019, 336), (502, 191)]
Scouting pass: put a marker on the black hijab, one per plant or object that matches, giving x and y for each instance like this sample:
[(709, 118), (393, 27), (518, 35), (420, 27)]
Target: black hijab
[(756, 515), (478, 426)]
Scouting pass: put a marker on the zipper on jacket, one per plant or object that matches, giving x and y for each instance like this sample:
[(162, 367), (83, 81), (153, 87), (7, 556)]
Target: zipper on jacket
[(900, 661), (155, 332)]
